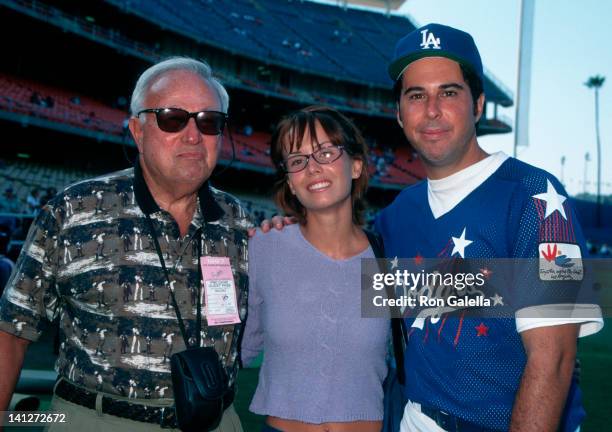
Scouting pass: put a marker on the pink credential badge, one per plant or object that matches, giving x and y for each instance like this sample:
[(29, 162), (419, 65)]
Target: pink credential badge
[(219, 291)]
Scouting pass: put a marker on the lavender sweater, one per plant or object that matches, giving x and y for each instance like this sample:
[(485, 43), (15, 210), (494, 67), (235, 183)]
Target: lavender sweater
[(322, 361)]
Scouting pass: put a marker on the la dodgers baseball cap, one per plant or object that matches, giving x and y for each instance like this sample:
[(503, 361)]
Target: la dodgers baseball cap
[(436, 40)]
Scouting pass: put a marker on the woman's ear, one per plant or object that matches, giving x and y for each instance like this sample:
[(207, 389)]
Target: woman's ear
[(356, 168), (291, 188)]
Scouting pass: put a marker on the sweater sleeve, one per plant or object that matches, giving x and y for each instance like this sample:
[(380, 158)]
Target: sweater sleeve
[(253, 340)]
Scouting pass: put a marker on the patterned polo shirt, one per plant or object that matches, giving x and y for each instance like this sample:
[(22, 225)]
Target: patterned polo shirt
[(90, 260)]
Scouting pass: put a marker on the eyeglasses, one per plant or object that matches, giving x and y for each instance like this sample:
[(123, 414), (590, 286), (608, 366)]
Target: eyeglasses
[(175, 119), (325, 155)]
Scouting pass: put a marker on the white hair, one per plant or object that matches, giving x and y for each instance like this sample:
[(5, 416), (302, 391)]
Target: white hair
[(201, 68)]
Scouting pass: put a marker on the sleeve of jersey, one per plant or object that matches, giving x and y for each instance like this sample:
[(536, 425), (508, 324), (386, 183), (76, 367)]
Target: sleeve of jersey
[(549, 251), (30, 301), (252, 342)]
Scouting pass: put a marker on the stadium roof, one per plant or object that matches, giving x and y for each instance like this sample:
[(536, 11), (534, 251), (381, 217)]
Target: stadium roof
[(385, 4)]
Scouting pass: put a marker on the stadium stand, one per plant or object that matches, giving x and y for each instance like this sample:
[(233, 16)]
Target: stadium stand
[(25, 175), (407, 163), (348, 44), (254, 148), (351, 45), (34, 99)]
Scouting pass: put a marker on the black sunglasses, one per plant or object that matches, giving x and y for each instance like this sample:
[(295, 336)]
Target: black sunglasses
[(175, 119)]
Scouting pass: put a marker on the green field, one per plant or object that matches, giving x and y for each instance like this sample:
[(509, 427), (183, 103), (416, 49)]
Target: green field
[(595, 354)]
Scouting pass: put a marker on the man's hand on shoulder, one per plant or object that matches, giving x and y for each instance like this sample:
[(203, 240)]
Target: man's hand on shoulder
[(278, 222)]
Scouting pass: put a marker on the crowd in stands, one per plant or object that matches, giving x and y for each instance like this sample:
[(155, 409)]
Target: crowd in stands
[(22, 96), (9, 203), (6, 263), (25, 187), (380, 161), (16, 213), (33, 202), (252, 147), (598, 249)]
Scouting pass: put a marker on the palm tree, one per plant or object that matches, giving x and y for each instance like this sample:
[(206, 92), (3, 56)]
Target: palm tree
[(587, 159), (596, 82)]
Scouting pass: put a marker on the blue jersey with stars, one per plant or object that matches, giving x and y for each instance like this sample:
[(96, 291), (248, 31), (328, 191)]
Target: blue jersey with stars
[(472, 367)]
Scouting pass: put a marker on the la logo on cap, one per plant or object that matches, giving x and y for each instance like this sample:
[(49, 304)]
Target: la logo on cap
[(429, 39)]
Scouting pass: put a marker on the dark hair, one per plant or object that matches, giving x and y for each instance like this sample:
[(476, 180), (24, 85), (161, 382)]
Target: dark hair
[(397, 89), (341, 131), (472, 80)]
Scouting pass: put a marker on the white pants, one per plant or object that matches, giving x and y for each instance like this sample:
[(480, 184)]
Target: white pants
[(415, 421)]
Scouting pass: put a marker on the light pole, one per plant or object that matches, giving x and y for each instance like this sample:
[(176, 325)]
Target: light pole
[(596, 82), (587, 159), (562, 170)]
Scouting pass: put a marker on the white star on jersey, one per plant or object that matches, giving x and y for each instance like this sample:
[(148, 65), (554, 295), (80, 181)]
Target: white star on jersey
[(554, 201), (460, 244)]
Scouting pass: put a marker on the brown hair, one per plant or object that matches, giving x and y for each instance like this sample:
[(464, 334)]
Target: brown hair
[(341, 131)]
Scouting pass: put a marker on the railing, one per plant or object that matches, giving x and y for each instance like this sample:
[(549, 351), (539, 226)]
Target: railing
[(503, 118), (83, 27), (504, 88)]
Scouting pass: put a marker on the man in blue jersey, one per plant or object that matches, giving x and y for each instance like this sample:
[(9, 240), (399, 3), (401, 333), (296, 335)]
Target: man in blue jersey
[(478, 373)]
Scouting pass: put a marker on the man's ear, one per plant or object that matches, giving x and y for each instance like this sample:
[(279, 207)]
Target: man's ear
[(398, 114), (479, 108), (220, 144), (136, 129)]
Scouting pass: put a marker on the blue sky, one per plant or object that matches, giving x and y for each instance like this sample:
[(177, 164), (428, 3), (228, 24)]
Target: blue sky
[(571, 43)]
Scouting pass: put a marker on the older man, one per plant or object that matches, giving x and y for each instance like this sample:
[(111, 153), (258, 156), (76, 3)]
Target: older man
[(479, 373), (114, 357)]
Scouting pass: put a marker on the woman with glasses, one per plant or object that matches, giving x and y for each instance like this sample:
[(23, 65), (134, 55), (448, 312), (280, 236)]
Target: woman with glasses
[(324, 365)]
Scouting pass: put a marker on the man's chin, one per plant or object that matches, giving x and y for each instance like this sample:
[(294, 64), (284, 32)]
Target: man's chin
[(194, 178), (435, 160), (197, 171)]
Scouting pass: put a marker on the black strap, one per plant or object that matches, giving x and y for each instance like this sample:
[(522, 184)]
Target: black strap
[(398, 334), (397, 324), (174, 303)]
